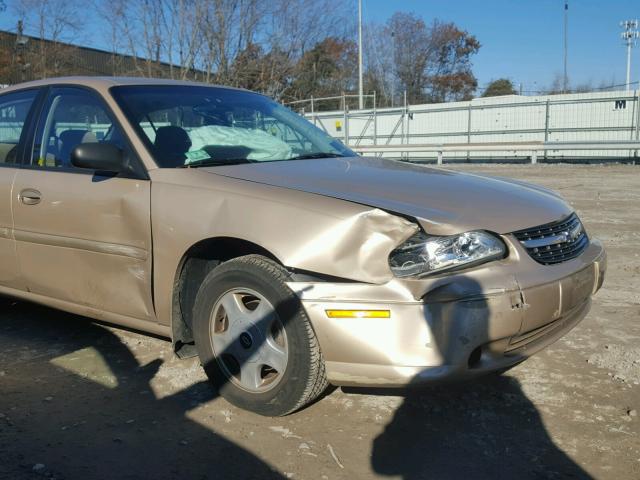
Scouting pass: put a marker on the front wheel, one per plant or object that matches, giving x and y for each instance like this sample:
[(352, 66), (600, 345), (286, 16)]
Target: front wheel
[(254, 339)]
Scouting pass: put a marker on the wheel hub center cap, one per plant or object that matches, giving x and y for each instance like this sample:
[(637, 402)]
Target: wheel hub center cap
[(246, 340)]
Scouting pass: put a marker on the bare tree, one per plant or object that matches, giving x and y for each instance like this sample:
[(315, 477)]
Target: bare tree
[(557, 85), (53, 23), (285, 48), (140, 25), (161, 37), (380, 67), (236, 42), (584, 87), (432, 62), (121, 17), (295, 26), (228, 27), (258, 44), (326, 69), (412, 52), (184, 36)]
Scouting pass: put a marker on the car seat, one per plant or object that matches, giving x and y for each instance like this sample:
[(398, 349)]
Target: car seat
[(171, 145)]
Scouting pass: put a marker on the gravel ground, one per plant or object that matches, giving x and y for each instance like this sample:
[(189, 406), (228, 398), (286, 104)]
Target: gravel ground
[(80, 400)]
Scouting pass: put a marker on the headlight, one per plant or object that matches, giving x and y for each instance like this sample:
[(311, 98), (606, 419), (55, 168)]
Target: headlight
[(423, 254)]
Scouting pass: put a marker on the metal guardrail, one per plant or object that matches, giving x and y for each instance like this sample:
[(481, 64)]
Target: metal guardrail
[(533, 147)]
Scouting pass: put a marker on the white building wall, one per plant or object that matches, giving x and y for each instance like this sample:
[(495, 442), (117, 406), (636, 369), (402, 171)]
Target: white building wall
[(599, 116)]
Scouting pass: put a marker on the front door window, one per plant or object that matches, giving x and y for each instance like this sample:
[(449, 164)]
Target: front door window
[(73, 116)]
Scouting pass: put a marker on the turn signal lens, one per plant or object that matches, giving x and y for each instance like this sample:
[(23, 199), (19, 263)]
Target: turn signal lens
[(358, 313)]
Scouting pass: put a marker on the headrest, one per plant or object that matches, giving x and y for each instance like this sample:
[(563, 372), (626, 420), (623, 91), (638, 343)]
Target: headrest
[(172, 139)]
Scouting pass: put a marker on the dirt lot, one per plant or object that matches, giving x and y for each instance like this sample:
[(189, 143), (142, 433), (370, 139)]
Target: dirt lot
[(81, 401)]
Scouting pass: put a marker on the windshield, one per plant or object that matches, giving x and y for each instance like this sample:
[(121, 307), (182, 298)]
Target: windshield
[(190, 126)]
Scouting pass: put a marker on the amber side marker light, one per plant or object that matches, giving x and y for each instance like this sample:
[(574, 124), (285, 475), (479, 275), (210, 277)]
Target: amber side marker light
[(358, 313)]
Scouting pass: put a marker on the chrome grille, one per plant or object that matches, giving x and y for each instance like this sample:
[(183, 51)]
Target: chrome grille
[(554, 242)]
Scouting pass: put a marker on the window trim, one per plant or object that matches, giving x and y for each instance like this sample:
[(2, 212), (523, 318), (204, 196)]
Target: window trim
[(139, 171)]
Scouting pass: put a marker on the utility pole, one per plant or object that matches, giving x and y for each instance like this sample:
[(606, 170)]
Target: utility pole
[(565, 82), (393, 77), (360, 95), (629, 36)]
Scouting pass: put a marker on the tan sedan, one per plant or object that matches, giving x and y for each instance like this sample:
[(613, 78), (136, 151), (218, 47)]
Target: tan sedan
[(222, 220)]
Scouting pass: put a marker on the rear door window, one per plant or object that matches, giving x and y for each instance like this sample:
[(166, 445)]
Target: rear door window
[(14, 109)]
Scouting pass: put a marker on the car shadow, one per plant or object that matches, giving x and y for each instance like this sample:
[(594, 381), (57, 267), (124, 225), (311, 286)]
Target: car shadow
[(107, 426), (485, 428)]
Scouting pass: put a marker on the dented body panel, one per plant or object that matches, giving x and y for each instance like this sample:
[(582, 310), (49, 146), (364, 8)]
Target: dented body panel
[(102, 261), (436, 324), (323, 235)]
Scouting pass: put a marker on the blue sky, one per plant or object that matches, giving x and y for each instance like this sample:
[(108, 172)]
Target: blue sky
[(521, 39)]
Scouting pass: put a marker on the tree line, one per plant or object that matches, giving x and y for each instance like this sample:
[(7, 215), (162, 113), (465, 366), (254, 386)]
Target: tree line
[(288, 49)]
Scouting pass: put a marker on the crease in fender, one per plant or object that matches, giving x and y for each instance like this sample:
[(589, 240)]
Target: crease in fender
[(80, 244), (360, 293), (358, 301), (522, 304), (356, 244), (463, 289), (471, 297)]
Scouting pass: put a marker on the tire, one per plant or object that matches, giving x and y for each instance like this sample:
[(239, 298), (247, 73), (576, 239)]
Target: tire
[(245, 317)]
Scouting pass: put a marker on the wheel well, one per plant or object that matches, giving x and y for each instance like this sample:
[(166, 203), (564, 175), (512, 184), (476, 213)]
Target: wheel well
[(196, 263)]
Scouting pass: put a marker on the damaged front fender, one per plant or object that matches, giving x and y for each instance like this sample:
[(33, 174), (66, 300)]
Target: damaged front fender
[(356, 246), (305, 232)]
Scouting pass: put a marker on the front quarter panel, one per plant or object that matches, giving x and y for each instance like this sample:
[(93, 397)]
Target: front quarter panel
[(303, 231)]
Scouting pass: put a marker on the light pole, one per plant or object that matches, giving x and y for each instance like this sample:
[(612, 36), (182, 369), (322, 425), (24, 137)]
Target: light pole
[(565, 80), (360, 94), (393, 76), (629, 36)]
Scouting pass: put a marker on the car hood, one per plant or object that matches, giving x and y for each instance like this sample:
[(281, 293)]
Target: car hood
[(445, 202)]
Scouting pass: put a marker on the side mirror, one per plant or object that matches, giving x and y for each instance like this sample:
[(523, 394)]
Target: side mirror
[(104, 157)]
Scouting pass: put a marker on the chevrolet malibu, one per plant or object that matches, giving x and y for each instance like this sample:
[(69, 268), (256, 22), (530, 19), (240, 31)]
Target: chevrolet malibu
[(222, 220)]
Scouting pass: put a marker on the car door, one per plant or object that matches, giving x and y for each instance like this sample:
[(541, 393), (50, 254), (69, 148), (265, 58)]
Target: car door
[(83, 236), (15, 108)]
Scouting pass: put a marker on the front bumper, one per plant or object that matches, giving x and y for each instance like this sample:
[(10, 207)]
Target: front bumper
[(453, 326)]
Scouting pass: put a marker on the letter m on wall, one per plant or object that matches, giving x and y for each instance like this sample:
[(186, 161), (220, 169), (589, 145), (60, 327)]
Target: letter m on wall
[(621, 104)]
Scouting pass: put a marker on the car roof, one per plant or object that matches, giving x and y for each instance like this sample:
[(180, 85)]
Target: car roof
[(104, 83)]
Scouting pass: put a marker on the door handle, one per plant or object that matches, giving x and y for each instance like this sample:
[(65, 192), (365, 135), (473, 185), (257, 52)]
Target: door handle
[(30, 196)]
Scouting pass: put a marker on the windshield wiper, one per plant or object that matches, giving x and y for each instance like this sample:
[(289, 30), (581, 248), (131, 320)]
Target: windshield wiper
[(306, 156), (210, 162)]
